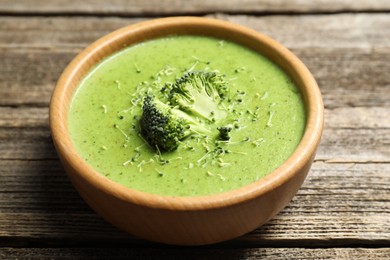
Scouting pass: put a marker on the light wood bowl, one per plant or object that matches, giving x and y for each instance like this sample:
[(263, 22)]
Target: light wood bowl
[(187, 220)]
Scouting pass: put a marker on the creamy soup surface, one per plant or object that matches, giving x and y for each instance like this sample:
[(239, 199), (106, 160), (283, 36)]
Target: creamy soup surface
[(105, 113)]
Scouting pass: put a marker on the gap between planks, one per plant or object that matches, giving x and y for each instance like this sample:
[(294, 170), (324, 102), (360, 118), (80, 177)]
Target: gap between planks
[(192, 7), (195, 13)]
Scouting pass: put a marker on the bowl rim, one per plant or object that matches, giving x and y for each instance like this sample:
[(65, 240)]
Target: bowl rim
[(303, 154)]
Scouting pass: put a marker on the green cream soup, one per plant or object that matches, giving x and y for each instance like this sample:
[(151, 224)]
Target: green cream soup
[(265, 108)]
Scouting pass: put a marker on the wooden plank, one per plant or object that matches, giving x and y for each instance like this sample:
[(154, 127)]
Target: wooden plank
[(337, 145), (26, 143), (37, 186), (346, 76), (342, 62), (156, 7), (325, 31), (22, 82), (357, 117), (57, 32), (342, 117), (41, 181), (352, 134), (354, 145), (349, 77), (339, 204), (24, 116), (344, 203), (198, 253)]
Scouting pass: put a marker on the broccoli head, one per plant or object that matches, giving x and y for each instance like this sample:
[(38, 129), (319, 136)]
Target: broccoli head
[(163, 126), (192, 105), (224, 132), (200, 93)]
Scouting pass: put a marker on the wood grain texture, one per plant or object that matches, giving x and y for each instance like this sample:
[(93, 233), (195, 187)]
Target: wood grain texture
[(339, 204), (357, 85), (352, 134), (337, 145), (325, 31), (24, 117), (167, 7), (349, 74), (342, 117), (199, 253), (344, 202), (308, 31)]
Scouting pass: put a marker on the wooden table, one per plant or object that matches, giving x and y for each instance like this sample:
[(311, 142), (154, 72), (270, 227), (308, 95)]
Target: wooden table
[(343, 209)]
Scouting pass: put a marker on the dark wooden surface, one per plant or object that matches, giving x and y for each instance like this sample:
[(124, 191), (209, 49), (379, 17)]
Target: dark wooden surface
[(341, 212)]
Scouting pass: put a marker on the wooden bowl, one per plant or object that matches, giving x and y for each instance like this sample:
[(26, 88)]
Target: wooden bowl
[(187, 220)]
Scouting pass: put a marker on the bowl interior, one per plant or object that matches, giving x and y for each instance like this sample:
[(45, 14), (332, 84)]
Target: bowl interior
[(133, 34)]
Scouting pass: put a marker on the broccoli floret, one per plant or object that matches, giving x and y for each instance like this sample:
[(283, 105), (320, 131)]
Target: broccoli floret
[(193, 105), (224, 132), (200, 93), (163, 126)]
